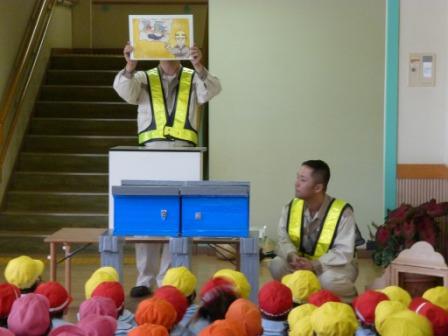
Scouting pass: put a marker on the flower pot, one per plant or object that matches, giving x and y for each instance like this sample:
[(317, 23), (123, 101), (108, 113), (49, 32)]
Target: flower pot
[(417, 284)]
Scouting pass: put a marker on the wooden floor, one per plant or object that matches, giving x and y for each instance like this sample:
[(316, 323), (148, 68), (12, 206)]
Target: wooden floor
[(203, 266)]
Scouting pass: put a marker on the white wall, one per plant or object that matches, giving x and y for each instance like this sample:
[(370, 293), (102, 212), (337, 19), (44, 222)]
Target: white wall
[(301, 80), (423, 111)]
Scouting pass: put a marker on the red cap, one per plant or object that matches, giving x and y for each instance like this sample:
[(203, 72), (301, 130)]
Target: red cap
[(275, 299), (56, 294), (8, 294), (322, 296), (175, 297), (113, 290), (436, 315), (365, 304), (213, 287), (416, 302)]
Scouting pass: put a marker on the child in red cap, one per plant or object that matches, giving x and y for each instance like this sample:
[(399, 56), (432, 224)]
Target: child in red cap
[(275, 302), (59, 300), (364, 306), (216, 296), (322, 296), (115, 291), (8, 294)]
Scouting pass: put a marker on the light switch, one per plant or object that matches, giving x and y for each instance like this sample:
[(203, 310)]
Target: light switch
[(422, 69)]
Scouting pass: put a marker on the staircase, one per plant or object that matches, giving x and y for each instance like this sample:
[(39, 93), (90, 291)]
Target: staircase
[(61, 175)]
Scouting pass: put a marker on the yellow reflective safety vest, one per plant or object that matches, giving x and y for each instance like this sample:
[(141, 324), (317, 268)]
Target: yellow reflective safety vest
[(174, 126), (327, 233)]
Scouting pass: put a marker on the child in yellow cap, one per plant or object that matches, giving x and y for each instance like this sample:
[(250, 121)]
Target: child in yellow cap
[(25, 273), (334, 319)]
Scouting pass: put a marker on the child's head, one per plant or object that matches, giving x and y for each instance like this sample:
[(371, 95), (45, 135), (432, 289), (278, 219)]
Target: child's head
[(334, 319), (404, 323), (98, 305), (438, 296), (246, 314), (386, 308), (275, 301), (216, 295), (5, 332), (175, 297), (148, 329), (223, 328), (102, 274), (395, 293), (365, 305), (183, 280), (113, 290), (322, 296), (30, 315), (302, 284), (57, 296), (67, 330), (301, 315), (24, 273), (242, 285), (435, 314), (8, 294), (156, 311), (95, 325)]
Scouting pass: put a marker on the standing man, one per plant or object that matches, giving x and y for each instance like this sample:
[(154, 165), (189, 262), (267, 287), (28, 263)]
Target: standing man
[(168, 98), (317, 233)]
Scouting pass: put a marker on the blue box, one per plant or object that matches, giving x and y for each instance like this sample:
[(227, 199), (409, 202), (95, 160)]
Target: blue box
[(146, 211), (217, 209)]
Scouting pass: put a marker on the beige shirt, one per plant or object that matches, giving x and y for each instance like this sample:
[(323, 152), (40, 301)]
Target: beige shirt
[(134, 90), (343, 247)]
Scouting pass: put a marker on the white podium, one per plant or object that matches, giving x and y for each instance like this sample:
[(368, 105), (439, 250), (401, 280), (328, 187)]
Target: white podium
[(141, 163)]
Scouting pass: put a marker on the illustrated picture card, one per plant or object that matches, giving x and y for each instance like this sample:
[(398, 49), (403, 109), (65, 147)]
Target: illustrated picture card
[(161, 37)]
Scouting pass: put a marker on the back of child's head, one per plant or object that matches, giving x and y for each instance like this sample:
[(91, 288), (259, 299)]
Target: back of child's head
[(275, 301), (242, 285), (300, 313), (302, 284), (247, 314), (322, 296), (67, 330), (386, 308), (95, 325), (223, 328), (405, 323), (435, 314), (183, 279), (148, 329), (24, 273), (113, 290), (395, 293), (365, 305), (216, 296), (102, 274), (30, 316), (5, 332), (438, 296), (175, 297), (57, 296), (334, 319), (156, 311), (8, 294), (98, 305), (302, 327)]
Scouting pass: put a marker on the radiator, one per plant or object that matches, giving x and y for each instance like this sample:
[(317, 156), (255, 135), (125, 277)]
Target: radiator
[(417, 191)]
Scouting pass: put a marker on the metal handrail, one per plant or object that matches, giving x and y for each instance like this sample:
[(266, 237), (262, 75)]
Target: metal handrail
[(20, 79)]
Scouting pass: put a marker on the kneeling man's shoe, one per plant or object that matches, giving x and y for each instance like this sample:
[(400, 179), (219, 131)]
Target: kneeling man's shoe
[(140, 291)]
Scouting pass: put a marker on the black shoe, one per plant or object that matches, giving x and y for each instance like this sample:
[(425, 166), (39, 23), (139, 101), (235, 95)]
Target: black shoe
[(140, 291)]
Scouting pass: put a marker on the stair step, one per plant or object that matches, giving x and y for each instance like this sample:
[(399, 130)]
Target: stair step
[(59, 162), (95, 110), (81, 126), (78, 93), (75, 144), (55, 181), (50, 221), (94, 62), (56, 201), (80, 77)]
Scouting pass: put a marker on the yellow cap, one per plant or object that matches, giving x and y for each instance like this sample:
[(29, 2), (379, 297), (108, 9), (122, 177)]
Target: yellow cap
[(242, 286), (299, 313), (395, 293), (97, 278), (406, 323), (109, 270), (23, 271), (438, 296), (302, 328), (302, 284), (181, 278), (386, 308), (334, 319)]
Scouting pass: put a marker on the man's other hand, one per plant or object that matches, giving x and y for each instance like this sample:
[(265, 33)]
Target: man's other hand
[(130, 64)]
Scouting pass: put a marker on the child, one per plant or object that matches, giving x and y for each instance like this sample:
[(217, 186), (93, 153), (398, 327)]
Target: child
[(436, 315), (8, 294), (275, 301), (242, 285), (156, 311), (148, 329), (98, 305), (24, 273), (364, 306), (302, 284), (223, 328), (246, 314), (59, 300), (322, 296), (102, 274), (334, 318)]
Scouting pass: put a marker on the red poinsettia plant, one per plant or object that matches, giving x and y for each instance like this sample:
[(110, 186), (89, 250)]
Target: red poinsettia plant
[(406, 225)]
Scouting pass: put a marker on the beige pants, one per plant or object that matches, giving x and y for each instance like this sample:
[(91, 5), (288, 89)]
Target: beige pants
[(338, 279)]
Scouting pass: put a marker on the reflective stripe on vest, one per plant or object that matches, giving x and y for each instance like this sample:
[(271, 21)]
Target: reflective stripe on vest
[(159, 128), (326, 233)]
